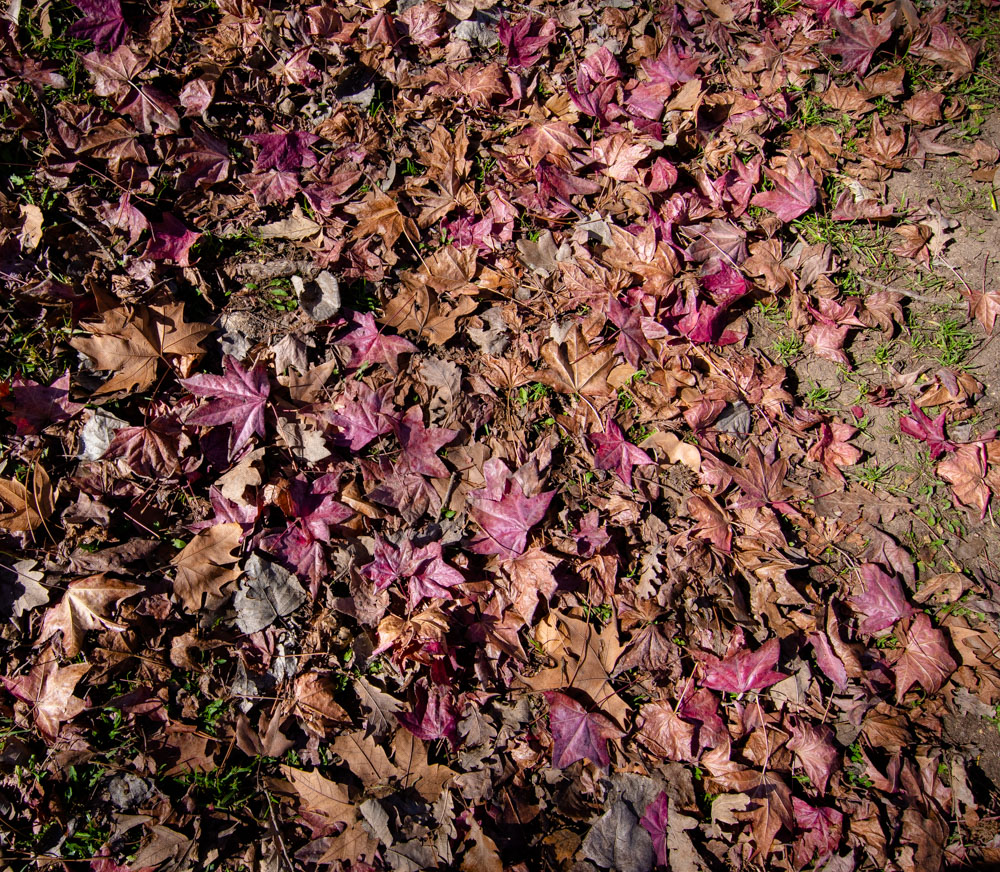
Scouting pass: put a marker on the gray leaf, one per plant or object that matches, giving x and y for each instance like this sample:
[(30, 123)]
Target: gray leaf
[(268, 591), (617, 841)]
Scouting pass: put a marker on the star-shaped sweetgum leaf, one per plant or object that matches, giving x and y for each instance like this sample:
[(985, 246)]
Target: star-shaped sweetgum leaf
[(36, 406), (170, 240), (967, 473), (882, 603), (926, 659), (434, 715), (613, 451), (369, 345), (238, 398), (424, 569), (363, 415), (102, 23), (794, 192), (578, 734), (743, 670), (814, 747), (926, 429), (822, 828), (85, 606), (526, 39), (506, 517), (285, 152), (858, 39), (48, 689), (421, 443)]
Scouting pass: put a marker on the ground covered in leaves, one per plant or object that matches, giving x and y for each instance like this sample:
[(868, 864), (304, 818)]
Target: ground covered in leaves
[(496, 436)]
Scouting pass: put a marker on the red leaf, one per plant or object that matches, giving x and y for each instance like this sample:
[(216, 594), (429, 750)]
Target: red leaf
[(526, 39), (966, 472), (794, 191), (102, 23), (654, 821), (424, 568), (420, 443), (37, 406), (578, 734), (926, 659), (433, 716), (370, 345), (366, 414), (823, 831), (505, 513), (612, 451), (238, 398), (928, 430), (744, 670), (170, 240), (813, 745), (285, 152), (883, 603), (858, 40)]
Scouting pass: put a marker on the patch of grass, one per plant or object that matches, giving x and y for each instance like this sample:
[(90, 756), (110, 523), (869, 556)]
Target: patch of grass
[(874, 474), (946, 340), (787, 348), (868, 244), (819, 397), (531, 393)]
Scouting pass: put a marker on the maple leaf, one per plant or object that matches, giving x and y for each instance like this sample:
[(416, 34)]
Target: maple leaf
[(365, 414), (133, 343), (743, 670), (552, 141), (83, 607), (36, 406), (379, 215), (578, 734), (421, 444), (424, 568), (116, 76), (526, 39), (926, 659), (883, 602), (985, 307), (369, 345), (618, 155), (238, 398), (314, 508), (823, 830), (574, 368), (271, 187), (612, 451), (152, 449), (966, 472), (813, 745), (833, 450), (204, 566), (507, 516), (433, 716), (30, 504), (170, 240), (794, 191), (20, 589), (672, 66), (102, 23), (207, 158), (654, 821), (285, 152), (48, 689), (858, 39), (921, 427), (125, 217)]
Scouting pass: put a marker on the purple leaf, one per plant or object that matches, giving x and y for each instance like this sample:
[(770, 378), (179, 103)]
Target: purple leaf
[(928, 430), (507, 518), (170, 240), (433, 716), (369, 345), (794, 191), (526, 39), (858, 40), (285, 152), (829, 663), (813, 745), (420, 443), (578, 734), (823, 829), (424, 568), (37, 406), (612, 451), (238, 398), (654, 821), (744, 670), (102, 23), (883, 601), (365, 414)]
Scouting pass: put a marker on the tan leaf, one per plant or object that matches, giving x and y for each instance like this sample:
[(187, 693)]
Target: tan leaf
[(31, 229), (365, 758), (551, 141), (482, 854), (30, 506), (48, 688), (322, 795), (132, 344), (350, 846), (574, 368), (411, 757), (379, 215), (85, 606), (204, 566)]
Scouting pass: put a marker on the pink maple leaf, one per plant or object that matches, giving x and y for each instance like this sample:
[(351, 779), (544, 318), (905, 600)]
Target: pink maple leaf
[(928, 430), (102, 23), (37, 406), (424, 569), (365, 414), (636, 331), (399, 487), (369, 345), (272, 186), (883, 601), (672, 66), (238, 398), (526, 39), (613, 451), (578, 734), (654, 821), (313, 508), (823, 8), (421, 443), (229, 512), (743, 670), (925, 660), (829, 663), (858, 40), (966, 471), (813, 745), (822, 829), (833, 450), (505, 513), (433, 716), (794, 191), (285, 152), (170, 240)]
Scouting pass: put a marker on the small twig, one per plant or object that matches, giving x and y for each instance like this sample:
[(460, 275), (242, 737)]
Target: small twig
[(97, 241), (908, 294), (277, 833)]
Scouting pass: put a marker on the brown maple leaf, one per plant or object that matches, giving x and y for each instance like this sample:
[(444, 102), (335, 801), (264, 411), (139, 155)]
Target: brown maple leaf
[(30, 505), (205, 566), (575, 368), (552, 141), (133, 343), (85, 606), (379, 215), (926, 659), (48, 688)]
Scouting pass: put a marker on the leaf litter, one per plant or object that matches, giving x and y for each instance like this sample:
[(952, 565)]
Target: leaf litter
[(450, 435)]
